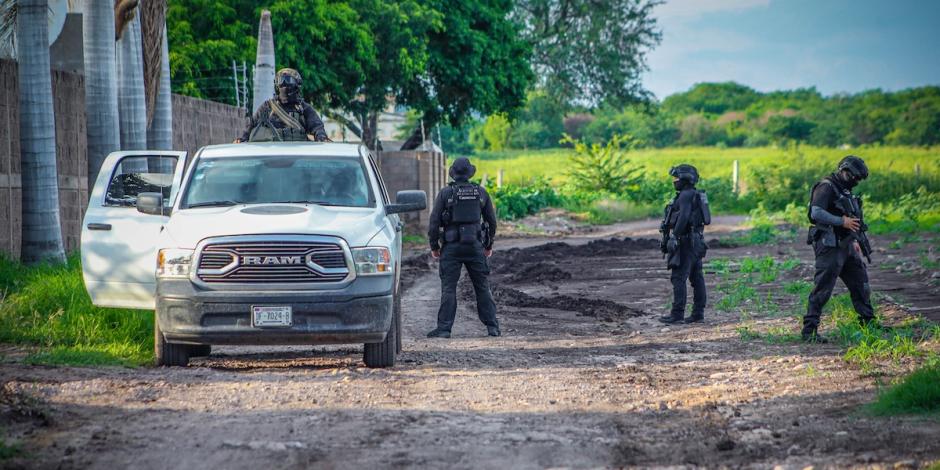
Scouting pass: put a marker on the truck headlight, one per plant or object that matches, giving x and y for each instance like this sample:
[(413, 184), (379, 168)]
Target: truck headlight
[(372, 261), (174, 263)]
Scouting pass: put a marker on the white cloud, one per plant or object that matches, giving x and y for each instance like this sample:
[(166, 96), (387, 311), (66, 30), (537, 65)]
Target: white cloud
[(689, 9)]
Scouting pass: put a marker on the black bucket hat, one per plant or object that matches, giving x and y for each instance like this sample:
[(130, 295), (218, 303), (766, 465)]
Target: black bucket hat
[(462, 169)]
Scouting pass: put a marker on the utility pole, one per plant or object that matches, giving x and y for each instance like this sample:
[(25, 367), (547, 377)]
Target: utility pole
[(238, 96)]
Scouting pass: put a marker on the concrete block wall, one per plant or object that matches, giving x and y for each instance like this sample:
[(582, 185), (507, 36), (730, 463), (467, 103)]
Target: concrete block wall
[(422, 170), (69, 104), (198, 122)]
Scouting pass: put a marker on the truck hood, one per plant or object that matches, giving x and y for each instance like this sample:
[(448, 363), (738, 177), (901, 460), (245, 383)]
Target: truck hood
[(356, 225)]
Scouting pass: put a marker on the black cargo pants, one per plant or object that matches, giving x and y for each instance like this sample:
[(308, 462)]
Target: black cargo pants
[(453, 257), (689, 270), (833, 263)]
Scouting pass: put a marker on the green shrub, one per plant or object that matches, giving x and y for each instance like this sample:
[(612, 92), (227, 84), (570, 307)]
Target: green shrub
[(603, 168), (517, 201)]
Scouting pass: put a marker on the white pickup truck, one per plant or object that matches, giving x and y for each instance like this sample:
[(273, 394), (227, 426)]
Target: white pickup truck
[(273, 243)]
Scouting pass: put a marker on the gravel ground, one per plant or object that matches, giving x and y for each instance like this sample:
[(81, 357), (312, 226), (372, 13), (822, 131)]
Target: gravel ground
[(584, 376)]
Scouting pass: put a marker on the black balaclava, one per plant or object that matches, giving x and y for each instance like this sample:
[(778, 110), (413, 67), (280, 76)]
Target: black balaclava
[(462, 169)]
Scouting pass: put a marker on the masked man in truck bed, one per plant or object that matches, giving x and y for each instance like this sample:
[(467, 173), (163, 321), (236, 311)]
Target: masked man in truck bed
[(286, 117)]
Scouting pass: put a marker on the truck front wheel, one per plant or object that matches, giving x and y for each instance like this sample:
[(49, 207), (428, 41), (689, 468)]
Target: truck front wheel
[(168, 354), (383, 354)]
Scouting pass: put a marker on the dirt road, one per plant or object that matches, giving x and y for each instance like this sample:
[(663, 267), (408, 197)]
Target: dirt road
[(583, 377)]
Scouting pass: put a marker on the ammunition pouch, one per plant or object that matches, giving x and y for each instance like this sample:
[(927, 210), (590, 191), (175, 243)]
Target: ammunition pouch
[(699, 247)]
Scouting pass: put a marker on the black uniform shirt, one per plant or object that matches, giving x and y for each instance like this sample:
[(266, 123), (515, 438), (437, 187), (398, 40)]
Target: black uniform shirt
[(825, 197), (312, 123), (435, 224)]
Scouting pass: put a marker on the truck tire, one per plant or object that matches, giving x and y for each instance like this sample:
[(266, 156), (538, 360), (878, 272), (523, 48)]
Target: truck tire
[(383, 354), (168, 354)]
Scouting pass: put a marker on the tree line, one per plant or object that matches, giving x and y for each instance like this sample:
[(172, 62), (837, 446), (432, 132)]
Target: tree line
[(719, 114)]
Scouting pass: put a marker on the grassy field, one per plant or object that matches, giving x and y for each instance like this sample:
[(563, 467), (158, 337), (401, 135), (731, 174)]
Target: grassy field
[(520, 166)]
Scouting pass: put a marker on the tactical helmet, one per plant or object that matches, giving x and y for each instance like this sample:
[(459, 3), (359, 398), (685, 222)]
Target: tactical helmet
[(287, 76), (684, 172), (287, 85), (855, 166)]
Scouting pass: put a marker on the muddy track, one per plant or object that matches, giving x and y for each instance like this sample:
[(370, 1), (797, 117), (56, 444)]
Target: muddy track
[(583, 377)]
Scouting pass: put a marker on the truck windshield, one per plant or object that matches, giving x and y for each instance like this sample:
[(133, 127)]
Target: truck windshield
[(289, 179)]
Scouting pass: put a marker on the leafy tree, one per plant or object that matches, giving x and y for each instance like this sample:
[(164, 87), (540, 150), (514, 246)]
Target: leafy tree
[(205, 36), (712, 98), (478, 64), (496, 131), (789, 128), (649, 128), (590, 51), (400, 32), (919, 124)]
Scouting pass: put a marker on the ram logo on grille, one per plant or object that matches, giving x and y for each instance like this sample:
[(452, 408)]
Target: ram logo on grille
[(271, 260)]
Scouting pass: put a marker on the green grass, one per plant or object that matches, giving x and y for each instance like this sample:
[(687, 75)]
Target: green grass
[(918, 393), (521, 165), (609, 211), (47, 307), (773, 335)]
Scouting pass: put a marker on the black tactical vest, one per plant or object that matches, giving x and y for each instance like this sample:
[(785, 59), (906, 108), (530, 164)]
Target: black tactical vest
[(466, 207)]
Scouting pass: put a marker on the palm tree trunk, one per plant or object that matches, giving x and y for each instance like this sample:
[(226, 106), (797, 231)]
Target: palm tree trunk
[(160, 133), (132, 107), (42, 231), (263, 88), (101, 108)]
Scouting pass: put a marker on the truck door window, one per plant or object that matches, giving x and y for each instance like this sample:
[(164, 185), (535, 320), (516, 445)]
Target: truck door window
[(140, 174)]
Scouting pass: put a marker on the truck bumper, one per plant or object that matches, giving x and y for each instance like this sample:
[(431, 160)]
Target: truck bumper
[(359, 313)]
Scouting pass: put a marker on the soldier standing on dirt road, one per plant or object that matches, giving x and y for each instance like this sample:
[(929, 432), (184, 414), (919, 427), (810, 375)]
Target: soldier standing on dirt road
[(839, 242), (684, 242), (456, 221)]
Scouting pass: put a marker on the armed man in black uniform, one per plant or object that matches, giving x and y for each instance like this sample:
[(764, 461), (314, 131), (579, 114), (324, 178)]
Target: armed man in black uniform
[(839, 243), (286, 117), (456, 222), (683, 242)]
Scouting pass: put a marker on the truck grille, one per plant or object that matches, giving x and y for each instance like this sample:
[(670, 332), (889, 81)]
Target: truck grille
[(272, 262)]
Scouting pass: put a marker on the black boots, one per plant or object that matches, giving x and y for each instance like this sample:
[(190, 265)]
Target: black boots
[(669, 319), (810, 335), (438, 333), (492, 331), (695, 319)]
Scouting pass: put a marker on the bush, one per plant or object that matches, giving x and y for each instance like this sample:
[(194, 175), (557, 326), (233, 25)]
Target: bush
[(603, 168), (515, 201)]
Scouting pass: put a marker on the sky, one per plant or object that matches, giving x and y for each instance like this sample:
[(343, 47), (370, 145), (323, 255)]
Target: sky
[(835, 45)]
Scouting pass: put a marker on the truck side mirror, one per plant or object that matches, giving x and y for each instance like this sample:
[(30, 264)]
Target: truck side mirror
[(408, 201), (150, 203)]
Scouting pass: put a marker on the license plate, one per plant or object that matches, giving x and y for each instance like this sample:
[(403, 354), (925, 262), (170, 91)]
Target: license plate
[(271, 316)]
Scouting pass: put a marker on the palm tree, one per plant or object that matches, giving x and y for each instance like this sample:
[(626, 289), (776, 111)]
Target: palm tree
[(42, 232), (160, 131), (101, 104), (132, 108), (263, 88)]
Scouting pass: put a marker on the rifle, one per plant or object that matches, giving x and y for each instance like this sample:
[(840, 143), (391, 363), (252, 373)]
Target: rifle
[(852, 207), (664, 228)]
